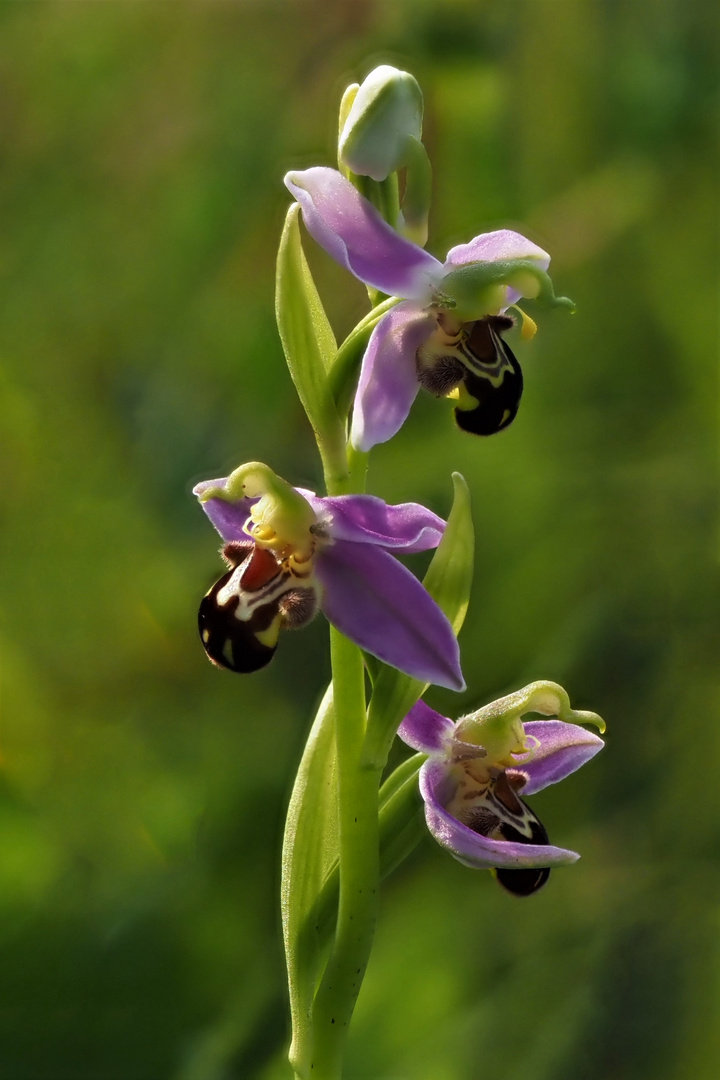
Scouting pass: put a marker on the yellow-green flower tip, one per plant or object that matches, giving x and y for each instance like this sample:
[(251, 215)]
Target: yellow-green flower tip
[(281, 518), (498, 727)]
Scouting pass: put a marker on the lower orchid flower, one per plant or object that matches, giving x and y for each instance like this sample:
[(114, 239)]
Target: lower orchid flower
[(446, 335), (291, 553), (478, 768)]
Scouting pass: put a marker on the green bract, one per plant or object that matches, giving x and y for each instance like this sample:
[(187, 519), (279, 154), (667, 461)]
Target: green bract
[(448, 580), (308, 342), (310, 850)]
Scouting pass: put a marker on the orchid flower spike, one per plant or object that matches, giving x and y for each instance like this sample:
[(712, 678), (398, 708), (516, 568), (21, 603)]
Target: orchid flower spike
[(446, 335), (477, 768), (291, 553)]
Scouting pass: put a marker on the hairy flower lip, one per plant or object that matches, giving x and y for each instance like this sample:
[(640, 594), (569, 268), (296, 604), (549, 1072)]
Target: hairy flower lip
[(363, 589), (561, 749), (352, 231), (471, 848)]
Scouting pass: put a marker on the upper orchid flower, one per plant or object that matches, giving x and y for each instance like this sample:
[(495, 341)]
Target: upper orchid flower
[(446, 335), (291, 553), (477, 766)]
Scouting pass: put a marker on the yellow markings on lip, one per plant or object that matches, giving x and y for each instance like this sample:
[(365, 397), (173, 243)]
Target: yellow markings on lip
[(269, 637), (465, 400)]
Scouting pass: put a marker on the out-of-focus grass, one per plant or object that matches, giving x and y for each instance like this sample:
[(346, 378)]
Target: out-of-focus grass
[(142, 791)]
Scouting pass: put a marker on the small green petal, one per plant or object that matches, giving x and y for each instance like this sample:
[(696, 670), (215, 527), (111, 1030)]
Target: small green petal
[(345, 106), (478, 289), (418, 192), (498, 727)]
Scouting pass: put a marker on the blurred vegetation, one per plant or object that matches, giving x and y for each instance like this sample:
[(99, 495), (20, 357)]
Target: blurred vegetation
[(142, 792)]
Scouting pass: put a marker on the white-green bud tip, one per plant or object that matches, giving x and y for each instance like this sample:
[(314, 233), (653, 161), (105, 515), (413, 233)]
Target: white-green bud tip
[(386, 112)]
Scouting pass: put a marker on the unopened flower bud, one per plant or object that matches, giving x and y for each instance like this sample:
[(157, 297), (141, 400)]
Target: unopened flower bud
[(386, 112)]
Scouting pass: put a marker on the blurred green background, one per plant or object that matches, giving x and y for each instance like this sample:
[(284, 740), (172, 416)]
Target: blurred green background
[(142, 791)]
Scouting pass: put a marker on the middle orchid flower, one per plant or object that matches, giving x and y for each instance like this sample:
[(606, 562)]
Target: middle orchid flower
[(291, 553), (446, 334)]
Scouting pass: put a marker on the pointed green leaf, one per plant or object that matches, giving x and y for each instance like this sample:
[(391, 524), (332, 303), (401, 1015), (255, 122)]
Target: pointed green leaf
[(448, 580), (450, 574), (306, 336), (310, 851)]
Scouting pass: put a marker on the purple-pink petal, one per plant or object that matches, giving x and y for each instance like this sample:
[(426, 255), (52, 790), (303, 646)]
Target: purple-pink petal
[(499, 246), (388, 381), (470, 847), (365, 519), (562, 749), (227, 517), (352, 231), (376, 602), (425, 730)]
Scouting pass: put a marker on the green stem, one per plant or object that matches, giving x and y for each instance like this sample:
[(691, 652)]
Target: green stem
[(335, 466), (383, 194), (358, 782), (358, 860), (357, 468), (401, 828), (358, 842)]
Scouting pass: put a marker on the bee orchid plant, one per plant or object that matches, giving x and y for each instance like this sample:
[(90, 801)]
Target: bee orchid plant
[(291, 554)]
